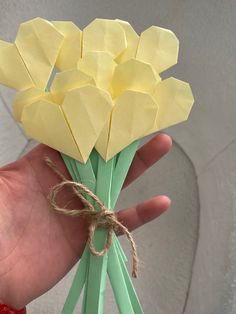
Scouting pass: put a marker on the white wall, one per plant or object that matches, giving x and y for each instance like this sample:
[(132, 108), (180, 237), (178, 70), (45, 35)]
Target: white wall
[(206, 30)]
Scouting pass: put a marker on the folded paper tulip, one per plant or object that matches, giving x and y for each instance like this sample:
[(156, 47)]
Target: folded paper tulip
[(105, 97)]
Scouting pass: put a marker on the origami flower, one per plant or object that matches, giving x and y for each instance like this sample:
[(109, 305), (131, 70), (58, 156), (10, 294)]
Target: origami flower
[(108, 92)]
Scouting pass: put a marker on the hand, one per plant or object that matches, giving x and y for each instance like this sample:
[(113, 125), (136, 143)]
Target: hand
[(37, 245)]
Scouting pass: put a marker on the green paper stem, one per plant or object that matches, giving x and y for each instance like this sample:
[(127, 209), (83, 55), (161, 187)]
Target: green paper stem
[(128, 282), (118, 282), (123, 163), (80, 173), (77, 284), (105, 179), (87, 177), (96, 281), (94, 157), (121, 251)]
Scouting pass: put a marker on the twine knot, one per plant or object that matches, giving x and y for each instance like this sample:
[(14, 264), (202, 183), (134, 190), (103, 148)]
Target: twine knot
[(101, 217)]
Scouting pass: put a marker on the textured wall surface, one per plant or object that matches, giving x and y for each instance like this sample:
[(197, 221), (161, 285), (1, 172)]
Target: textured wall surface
[(172, 280)]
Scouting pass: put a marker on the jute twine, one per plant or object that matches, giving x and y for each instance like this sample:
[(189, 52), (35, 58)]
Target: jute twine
[(102, 218)]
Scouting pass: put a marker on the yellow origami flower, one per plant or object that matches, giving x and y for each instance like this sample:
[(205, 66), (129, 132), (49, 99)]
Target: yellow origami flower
[(108, 92)]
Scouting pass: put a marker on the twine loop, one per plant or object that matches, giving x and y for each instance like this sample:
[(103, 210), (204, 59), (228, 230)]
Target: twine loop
[(98, 215)]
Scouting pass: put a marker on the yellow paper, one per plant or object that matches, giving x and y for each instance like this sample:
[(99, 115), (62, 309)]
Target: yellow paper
[(109, 92), (44, 121), (102, 141), (70, 51), (13, 72), (68, 80), (133, 116), (4, 44), (39, 43), (100, 66), (175, 100), (99, 35), (132, 42), (87, 110), (27, 97), (159, 47), (134, 75)]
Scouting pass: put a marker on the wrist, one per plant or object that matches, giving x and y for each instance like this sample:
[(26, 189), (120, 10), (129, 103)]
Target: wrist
[(5, 309)]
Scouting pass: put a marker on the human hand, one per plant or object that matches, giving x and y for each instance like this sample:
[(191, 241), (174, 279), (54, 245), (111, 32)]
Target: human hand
[(37, 245)]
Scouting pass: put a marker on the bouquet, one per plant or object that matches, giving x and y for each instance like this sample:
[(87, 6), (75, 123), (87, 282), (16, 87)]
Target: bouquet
[(106, 95)]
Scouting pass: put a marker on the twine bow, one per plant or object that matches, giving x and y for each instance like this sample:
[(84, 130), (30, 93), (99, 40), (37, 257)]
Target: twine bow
[(102, 218)]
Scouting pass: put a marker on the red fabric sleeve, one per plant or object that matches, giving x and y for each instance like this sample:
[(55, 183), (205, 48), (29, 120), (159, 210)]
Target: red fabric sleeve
[(4, 309)]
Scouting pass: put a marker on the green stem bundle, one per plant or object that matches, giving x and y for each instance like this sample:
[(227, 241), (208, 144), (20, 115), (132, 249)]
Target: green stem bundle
[(105, 179)]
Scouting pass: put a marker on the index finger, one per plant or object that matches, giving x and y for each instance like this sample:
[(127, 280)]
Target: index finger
[(148, 155)]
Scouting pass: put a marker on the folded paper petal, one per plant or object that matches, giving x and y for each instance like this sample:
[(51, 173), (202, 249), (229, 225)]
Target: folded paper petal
[(68, 80), (87, 109), (13, 72), (134, 75), (109, 92), (175, 100), (133, 116), (27, 97), (100, 66), (44, 121), (159, 47), (39, 43), (71, 48), (102, 141), (132, 42), (99, 35)]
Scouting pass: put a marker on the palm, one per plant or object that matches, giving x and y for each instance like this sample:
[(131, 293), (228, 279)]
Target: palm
[(38, 246)]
